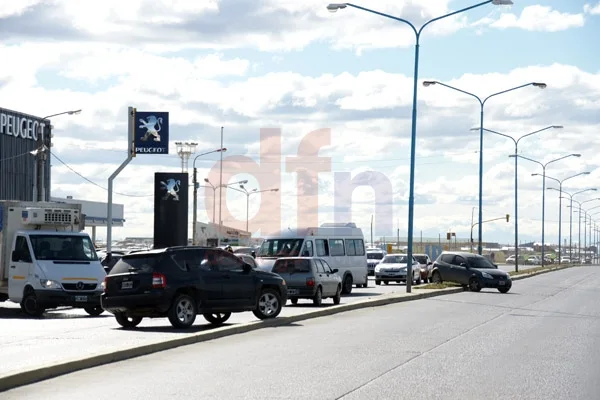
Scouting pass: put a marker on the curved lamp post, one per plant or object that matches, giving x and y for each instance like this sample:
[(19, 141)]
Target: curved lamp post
[(333, 7), (560, 183), (516, 142), (544, 189), (481, 129), (570, 206), (248, 193)]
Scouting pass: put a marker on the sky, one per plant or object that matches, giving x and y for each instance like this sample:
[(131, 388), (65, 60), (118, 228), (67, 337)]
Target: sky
[(317, 105)]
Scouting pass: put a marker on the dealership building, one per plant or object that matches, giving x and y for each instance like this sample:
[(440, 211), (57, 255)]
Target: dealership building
[(22, 137)]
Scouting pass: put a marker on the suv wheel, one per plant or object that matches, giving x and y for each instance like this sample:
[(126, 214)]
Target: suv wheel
[(127, 322), (474, 285), (268, 305), (94, 311), (436, 278), (182, 313), (217, 318)]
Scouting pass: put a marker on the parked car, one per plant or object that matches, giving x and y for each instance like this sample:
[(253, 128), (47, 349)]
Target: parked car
[(470, 270), (425, 264), (181, 282), (393, 267), (374, 257), (309, 278), (565, 260)]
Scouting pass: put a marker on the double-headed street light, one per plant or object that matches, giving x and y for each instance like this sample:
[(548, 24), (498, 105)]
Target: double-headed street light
[(482, 103), (196, 185), (560, 183), (516, 142), (333, 7), (544, 189), (214, 188), (570, 206), (248, 193)]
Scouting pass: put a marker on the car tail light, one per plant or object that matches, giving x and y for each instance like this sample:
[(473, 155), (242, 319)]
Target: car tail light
[(104, 284), (159, 281), (310, 282)]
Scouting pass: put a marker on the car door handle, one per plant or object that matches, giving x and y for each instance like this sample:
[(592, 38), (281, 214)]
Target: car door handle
[(12, 266)]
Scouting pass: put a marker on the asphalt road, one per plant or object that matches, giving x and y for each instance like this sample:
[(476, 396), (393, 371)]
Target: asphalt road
[(68, 334), (539, 341)]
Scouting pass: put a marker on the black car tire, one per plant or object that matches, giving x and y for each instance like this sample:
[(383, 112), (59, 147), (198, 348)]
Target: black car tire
[(183, 311), (318, 297), (347, 288), (474, 285), (268, 304), (217, 318), (388, 282), (503, 289), (338, 295), (94, 311), (377, 282), (436, 278), (127, 322), (294, 300), (30, 305), (418, 281)]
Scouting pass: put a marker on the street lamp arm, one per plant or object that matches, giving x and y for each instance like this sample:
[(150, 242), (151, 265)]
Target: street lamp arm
[(551, 178), (560, 158), (208, 152), (584, 190), (387, 16), (528, 159), (538, 131), (427, 83), (575, 176), (262, 191), (236, 189), (507, 90), (496, 133), (451, 14), (62, 113)]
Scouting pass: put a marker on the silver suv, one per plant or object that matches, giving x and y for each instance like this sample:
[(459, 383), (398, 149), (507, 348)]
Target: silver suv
[(309, 278)]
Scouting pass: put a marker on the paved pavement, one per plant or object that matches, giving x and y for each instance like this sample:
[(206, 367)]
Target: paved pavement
[(69, 334), (539, 341)]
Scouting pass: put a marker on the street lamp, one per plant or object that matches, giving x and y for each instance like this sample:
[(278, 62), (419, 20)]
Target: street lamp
[(248, 193), (570, 206), (544, 189), (39, 172), (481, 129), (333, 7), (195, 182), (560, 183), (214, 188), (516, 142)]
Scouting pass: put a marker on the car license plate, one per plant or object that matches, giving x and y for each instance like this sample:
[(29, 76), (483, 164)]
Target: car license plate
[(501, 283), (292, 291), (81, 298), (127, 285)]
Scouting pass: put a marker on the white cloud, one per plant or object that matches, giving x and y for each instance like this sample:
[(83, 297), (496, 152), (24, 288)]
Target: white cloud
[(592, 10), (540, 18)]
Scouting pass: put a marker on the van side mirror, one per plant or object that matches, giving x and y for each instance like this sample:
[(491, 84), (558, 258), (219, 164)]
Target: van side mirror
[(335, 270), (15, 256)]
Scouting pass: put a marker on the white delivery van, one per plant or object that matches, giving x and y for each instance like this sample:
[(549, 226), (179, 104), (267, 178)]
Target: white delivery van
[(341, 245), (46, 261)]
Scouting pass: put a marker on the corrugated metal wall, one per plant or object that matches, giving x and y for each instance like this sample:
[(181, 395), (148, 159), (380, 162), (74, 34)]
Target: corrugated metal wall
[(17, 163)]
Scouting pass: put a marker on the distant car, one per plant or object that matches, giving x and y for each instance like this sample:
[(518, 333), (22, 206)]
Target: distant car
[(374, 257), (309, 278), (510, 259), (393, 268), (181, 282), (565, 260), (470, 270), (425, 264)]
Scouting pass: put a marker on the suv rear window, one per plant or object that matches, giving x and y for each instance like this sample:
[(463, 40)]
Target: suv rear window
[(421, 259), (138, 262), (374, 256), (291, 266)]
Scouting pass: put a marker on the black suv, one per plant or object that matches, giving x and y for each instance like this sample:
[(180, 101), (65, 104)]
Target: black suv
[(181, 282), (470, 270)]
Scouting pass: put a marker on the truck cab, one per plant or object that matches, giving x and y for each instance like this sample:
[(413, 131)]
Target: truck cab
[(46, 261)]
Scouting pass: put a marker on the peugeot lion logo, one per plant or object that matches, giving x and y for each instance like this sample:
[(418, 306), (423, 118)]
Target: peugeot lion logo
[(171, 187), (151, 125), (79, 286)]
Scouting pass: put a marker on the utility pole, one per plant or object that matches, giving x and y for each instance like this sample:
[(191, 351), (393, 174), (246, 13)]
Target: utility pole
[(184, 151)]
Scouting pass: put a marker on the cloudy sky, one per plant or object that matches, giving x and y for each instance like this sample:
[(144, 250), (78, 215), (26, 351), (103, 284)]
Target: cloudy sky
[(289, 79)]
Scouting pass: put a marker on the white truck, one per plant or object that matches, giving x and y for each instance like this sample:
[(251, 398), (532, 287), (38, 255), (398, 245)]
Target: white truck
[(46, 260)]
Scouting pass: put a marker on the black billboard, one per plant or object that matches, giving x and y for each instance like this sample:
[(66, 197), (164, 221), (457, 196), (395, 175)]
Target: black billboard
[(170, 209)]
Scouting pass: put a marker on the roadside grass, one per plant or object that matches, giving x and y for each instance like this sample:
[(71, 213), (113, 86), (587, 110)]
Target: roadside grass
[(443, 285)]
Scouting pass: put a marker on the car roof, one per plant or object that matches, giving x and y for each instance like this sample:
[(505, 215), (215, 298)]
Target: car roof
[(462, 253)]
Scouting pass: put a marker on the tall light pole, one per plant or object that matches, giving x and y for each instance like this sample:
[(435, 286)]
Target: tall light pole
[(585, 214), (516, 142), (248, 193), (482, 103), (220, 191), (570, 206), (544, 190), (411, 193), (560, 183), (184, 151), (39, 172), (196, 185), (220, 187)]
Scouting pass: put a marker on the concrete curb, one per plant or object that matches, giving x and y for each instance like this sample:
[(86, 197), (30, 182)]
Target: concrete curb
[(51, 371)]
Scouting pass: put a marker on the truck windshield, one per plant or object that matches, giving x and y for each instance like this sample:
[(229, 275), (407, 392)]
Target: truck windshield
[(63, 248), (280, 248)]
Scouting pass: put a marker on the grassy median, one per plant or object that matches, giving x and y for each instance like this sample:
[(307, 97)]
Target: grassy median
[(443, 285)]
